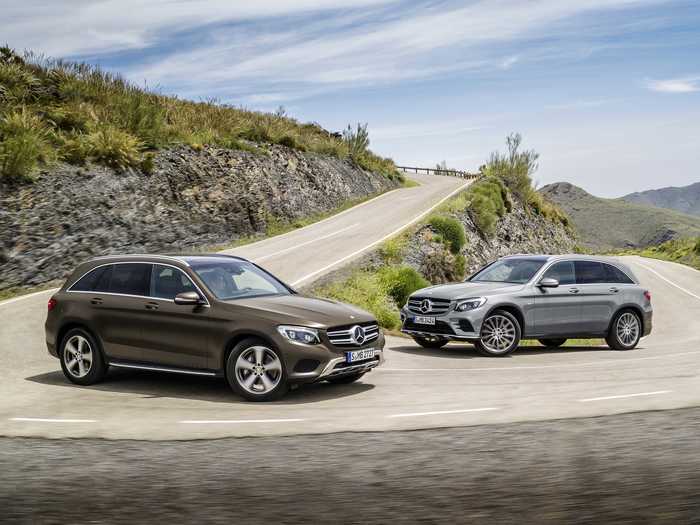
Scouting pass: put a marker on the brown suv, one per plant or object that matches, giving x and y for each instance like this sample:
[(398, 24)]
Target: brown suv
[(209, 315)]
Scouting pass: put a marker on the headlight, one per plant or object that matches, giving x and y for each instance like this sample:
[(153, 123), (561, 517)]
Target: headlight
[(300, 334), (470, 304)]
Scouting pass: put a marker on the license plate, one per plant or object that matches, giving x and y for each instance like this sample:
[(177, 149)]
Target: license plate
[(424, 320), (360, 355)]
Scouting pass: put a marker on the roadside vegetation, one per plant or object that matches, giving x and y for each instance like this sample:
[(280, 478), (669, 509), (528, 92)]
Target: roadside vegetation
[(685, 251), (54, 110)]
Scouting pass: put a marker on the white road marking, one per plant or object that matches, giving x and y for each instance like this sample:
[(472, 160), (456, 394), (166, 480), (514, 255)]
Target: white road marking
[(296, 246), (440, 412), (51, 420), (379, 241), (668, 281), (605, 398), (236, 421)]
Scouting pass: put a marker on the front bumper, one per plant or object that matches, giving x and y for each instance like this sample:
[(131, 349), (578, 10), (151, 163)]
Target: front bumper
[(453, 326)]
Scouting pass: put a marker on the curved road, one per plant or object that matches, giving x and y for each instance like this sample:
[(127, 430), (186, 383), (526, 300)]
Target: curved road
[(416, 388)]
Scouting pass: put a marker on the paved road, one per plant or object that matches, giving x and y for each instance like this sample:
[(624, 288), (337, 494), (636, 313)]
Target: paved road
[(632, 469), (416, 389)]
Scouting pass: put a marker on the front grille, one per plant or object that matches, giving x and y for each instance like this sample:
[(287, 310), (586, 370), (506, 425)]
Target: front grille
[(345, 335), (440, 327), (437, 306)]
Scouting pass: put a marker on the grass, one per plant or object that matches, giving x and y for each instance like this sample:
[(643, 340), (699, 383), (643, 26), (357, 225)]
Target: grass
[(685, 251), (77, 112)]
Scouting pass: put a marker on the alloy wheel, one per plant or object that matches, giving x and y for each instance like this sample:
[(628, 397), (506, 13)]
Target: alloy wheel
[(498, 333), (627, 328), (258, 370), (78, 356)]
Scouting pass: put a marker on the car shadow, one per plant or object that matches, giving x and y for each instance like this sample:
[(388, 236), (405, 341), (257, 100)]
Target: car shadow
[(467, 351), (163, 385)]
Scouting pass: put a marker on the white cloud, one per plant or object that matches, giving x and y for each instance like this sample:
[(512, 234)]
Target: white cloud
[(675, 85)]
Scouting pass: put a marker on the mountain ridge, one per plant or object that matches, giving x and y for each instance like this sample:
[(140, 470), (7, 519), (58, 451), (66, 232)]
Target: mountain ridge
[(685, 199)]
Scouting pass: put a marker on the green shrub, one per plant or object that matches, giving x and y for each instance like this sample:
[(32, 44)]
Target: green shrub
[(76, 148), (400, 282), (392, 250), (17, 83), (114, 148), (442, 266), (148, 163), (696, 248), (515, 167), (460, 266), (451, 231), (357, 140), (24, 142)]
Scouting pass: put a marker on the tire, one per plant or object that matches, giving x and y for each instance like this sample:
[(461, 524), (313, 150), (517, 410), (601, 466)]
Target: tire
[(433, 342), (255, 371), (552, 343), (82, 360), (347, 379), (625, 330), (508, 340)]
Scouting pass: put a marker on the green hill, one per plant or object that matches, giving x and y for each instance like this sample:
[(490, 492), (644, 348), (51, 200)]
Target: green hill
[(612, 224)]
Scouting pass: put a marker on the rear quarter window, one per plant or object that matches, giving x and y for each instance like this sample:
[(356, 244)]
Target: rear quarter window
[(615, 275), (96, 280)]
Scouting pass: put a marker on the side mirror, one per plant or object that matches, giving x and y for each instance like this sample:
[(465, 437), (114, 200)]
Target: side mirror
[(548, 282), (188, 298)]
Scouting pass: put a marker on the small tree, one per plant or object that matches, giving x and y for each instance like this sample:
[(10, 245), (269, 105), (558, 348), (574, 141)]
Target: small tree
[(357, 140), (515, 167)]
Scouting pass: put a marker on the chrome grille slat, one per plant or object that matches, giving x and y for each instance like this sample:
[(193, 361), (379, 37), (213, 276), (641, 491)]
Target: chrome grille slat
[(342, 336), (438, 306)]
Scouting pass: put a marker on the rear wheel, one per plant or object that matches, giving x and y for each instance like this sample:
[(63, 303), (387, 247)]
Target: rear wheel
[(552, 343), (255, 371), (431, 342), (81, 357), (346, 379), (625, 330), (500, 334)]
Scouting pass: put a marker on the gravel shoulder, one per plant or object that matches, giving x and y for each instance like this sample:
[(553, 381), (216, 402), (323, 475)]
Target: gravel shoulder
[(633, 468)]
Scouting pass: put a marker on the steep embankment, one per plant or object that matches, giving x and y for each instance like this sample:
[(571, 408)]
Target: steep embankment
[(685, 199), (191, 199), (610, 224)]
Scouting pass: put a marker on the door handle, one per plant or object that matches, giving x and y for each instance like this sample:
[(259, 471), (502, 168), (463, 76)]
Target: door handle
[(96, 300), (573, 290), (614, 289), (151, 306)]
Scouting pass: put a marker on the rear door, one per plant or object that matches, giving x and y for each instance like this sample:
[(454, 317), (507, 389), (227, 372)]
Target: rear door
[(598, 295), (175, 335), (558, 310)]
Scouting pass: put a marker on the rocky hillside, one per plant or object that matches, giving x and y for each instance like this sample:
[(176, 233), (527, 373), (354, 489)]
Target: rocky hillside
[(191, 198), (685, 199), (613, 224)]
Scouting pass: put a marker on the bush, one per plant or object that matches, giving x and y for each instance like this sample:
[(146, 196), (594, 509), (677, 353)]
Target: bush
[(515, 167), (696, 248), (24, 142), (114, 148), (357, 140), (148, 163), (400, 282), (75, 148), (451, 231), (392, 250), (441, 266)]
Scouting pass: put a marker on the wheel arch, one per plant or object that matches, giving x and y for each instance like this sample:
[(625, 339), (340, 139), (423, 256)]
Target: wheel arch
[(630, 306), (512, 309), (70, 325), (237, 337)]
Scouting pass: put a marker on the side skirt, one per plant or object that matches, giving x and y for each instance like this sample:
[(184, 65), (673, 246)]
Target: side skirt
[(170, 369)]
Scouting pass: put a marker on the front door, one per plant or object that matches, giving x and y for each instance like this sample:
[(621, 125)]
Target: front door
[(558, 310)]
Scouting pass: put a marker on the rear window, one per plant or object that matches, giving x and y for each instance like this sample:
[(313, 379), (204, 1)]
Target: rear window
[(96, 280), (130, 279)]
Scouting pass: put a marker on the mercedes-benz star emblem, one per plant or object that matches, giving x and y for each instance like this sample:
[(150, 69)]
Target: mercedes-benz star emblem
[(426, 306), (358, 335)]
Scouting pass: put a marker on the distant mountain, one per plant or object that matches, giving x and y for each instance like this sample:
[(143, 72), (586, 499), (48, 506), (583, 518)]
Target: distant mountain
[(609, 224), (685, 199)]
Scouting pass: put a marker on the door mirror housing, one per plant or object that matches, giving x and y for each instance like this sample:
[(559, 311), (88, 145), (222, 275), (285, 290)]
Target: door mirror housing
[(188, 298), (548, 282)]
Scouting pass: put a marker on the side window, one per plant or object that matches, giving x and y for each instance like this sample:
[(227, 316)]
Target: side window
[(130, 279), (562, 272), (167, 282), (95, 281), (615, 275), (590, 272)]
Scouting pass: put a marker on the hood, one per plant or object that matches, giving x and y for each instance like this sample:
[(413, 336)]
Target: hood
[(466, 290), (304, 311)]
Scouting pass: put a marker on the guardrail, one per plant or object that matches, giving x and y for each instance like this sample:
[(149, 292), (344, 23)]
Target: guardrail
[(436, 171)]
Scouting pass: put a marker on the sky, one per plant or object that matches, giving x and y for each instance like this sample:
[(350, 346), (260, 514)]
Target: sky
[(607, 91)]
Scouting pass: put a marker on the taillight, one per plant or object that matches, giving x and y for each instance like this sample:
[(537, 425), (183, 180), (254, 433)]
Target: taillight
[(647, 295), (52, 304)]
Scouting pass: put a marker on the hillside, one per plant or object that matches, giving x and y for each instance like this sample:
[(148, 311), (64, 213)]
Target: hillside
[(685, 199), (610, 224)]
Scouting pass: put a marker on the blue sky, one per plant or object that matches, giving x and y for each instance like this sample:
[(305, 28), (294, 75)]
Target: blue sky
[(608, 91)]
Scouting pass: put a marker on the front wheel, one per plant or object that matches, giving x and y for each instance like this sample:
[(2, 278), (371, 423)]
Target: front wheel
[(500, 334), (552, 343), (431, 342), (255, 371), (625, 331), (346, 379)]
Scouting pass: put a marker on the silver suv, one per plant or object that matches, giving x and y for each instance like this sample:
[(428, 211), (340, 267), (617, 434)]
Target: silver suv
[(550, 298)]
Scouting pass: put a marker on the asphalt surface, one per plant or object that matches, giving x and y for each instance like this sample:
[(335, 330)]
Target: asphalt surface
[(632, 468)]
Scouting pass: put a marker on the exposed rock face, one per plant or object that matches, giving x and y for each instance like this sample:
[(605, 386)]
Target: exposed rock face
[(519, 231), (192, 199)]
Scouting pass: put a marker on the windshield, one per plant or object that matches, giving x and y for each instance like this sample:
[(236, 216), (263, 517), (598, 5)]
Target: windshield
[(231, 279), (516, 271)]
